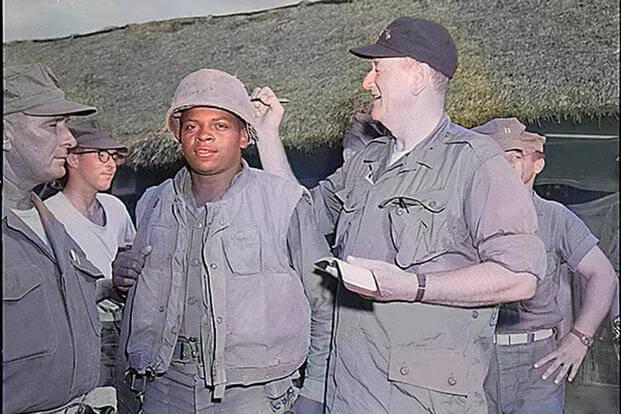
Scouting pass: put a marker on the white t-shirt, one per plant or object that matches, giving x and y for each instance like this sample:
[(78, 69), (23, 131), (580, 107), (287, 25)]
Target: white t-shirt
[(100, 243), (397, 155), (33, 220)]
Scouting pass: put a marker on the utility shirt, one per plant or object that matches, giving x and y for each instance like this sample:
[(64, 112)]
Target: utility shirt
[(450, 203), (567, 240), (238, 273), (50, 327)]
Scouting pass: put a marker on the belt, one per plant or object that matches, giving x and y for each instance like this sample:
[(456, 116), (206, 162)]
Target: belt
[(523, 337), (188, 349)]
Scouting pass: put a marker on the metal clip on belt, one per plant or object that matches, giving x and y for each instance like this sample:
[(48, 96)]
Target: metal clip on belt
[(522, 338), (138, 382), (189, 349)]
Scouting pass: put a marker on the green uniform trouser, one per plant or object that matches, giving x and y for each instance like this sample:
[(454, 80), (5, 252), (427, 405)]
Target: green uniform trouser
[(100, 400), (180, 391), (514, 386)]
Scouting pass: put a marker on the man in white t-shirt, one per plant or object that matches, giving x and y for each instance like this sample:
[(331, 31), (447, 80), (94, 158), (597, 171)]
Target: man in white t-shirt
[(98, 222)]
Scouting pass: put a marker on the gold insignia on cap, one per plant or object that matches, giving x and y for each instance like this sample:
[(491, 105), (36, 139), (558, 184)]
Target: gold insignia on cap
[(386, 34), (507, 130)]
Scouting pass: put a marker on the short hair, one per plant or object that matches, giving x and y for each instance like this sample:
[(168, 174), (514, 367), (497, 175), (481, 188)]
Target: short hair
[(440, 81)]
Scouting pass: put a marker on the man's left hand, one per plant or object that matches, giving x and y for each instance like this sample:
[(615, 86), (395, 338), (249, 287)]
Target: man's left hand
[(392, 282), (568, 356), (303, 405)]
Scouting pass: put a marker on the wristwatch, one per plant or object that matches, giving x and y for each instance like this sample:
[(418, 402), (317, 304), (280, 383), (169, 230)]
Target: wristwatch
[(586, 340)]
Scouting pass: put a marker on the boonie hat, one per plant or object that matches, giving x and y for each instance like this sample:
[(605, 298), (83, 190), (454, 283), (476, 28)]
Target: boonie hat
[(34, 90), (511, 134), (96, 139), (213, 88), (421, 39)]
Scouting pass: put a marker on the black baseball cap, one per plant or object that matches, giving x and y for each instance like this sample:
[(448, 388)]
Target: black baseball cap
[(417, 38)]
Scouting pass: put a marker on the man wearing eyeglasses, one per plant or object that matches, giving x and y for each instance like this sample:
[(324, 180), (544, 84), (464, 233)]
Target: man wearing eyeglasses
[(98, 222), (530, 364)]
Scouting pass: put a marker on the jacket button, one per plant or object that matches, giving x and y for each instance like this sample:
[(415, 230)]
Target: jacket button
[(245, 378), (213, 266), (169, 257), (404, 370), (195, 262), (400, 211), (222, 222), (432, 204), (192, 300), (475, 314), (199, 225), (219, 319), (162, 308), (452, 381)]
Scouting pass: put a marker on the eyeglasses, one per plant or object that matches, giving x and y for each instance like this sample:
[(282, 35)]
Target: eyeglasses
[(104, 155)]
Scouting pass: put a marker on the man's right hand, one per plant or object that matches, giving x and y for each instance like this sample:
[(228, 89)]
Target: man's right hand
[(268, 113), (127, 266)]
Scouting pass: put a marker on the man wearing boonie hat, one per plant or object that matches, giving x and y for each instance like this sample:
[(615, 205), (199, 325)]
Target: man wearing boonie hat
[(50, 341), (530, 362), (99, 222), (445, 226), (227, 307)]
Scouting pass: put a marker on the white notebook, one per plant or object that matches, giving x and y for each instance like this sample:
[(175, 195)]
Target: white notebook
[(355, 278)]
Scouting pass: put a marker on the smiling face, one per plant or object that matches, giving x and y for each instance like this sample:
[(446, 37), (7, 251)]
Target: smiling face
[(42, 144), (212, 140), (388, 82)]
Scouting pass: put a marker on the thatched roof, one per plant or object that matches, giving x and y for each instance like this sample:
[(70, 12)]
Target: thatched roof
[(534, 59)]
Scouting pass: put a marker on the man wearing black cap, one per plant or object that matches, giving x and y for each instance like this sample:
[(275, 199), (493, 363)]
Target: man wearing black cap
[(98, 222), (50, 341), (445, 226)]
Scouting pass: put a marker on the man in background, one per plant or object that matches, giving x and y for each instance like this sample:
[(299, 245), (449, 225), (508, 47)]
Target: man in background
[(98, 222), (530, 364)]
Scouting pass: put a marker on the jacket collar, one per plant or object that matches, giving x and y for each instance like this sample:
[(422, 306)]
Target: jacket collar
[(13, 221), (182, 185), (426, 154)]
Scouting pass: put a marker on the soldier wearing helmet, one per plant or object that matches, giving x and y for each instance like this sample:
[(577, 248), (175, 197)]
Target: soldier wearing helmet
[(220, 316)]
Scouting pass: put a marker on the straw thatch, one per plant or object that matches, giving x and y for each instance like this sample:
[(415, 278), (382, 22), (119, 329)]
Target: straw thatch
[(534, 59)]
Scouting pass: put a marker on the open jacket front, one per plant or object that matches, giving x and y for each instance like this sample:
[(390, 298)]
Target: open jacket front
[(259, 243)]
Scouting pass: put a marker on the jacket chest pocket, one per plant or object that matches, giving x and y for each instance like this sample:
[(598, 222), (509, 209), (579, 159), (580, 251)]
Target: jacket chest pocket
[(352, 207), (88, 275), (28, 326), (163, 239), (242, 251), (418, 227)]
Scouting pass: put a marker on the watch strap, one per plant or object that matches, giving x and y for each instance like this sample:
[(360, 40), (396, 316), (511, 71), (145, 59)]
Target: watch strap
[(422, 283), (585, 339)]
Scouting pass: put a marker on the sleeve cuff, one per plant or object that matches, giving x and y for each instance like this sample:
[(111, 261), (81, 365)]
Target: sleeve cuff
[(583, 248)]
